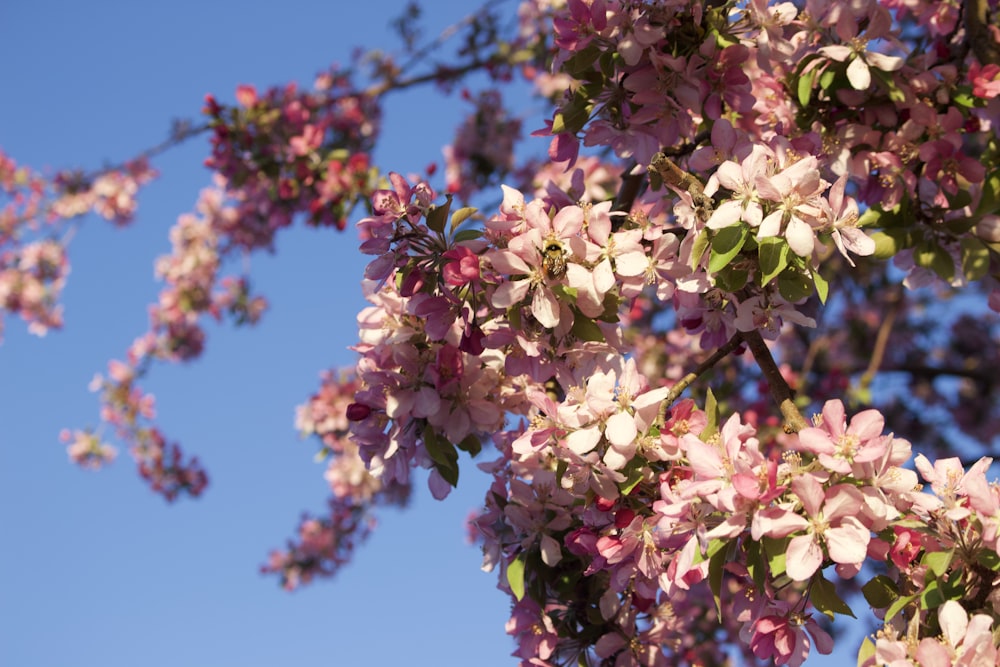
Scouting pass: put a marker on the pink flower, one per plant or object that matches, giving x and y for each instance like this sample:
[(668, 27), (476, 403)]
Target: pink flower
[(463, 267), (839, 449), (964, 641), (830, 520), (786, 639)]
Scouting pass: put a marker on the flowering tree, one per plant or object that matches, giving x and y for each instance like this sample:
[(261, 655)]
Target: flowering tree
[(694, 344)]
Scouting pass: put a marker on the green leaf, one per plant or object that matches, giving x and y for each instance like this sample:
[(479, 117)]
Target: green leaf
[(931, 597), (755, 564), (938, 561), (822, 286), (989, 559), (930, 255), (698, 248), (823, 595), (889, 242), (437, 216), (898, 606), (774, 549), (794, 286), (635, 476), (866, 652), (471, 444), (461, 215), (880, 592), (443, 453), (805, 87), (582, 61), (712, 412), (975, 258), (558, 124), (731, 279), (586, 329), (716, 568), (726, 244), (989, 202), (467, 235), (515, 577), (826, 78), (773, 258)]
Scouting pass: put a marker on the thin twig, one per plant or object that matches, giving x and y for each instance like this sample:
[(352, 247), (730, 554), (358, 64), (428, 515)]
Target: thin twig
[(881, 341), (686, 381), (780, 391)]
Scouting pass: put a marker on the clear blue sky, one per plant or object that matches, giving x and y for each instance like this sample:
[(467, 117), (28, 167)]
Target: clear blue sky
[(94, 569)]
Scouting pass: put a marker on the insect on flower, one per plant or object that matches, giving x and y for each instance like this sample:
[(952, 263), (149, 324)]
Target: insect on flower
[(554, 259)]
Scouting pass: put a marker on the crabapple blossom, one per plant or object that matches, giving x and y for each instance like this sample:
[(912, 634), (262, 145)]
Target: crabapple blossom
[(712, 176)]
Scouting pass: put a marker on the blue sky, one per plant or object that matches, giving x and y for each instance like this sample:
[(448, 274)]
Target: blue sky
[(94, 569)]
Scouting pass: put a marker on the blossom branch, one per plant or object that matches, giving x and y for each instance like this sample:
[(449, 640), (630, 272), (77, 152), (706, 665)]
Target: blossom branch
[(686, 381), (977, 27), (881, 340), (780, 391)]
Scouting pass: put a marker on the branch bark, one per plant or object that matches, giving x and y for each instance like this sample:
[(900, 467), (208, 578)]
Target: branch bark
[(780, 391)]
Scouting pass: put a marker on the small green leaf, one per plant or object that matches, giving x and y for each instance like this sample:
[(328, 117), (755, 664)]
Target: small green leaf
[(794, 286), (898, 606), (558, 124), (586, 329), (867, 652), (880, 592), (471, 444), (938, 561), (437, 216), (582, 61), (989, 202), (698, 248), (731, 280), (712, 412), (805, 87), (826, 79), (755, 564), (634, 477), (989, 559), (443, 453), (931, 597), (888, 243), (726, 244), (467, 235), (823, 595), (461, 215), (515, 577), (822, 286), (773, 252), (975, 258), (930, 255), (716, 568), (774, 549)]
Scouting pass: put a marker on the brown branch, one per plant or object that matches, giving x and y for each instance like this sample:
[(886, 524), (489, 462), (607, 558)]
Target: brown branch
[(978, 33), (780, 391), (686, 381), (882, 340)]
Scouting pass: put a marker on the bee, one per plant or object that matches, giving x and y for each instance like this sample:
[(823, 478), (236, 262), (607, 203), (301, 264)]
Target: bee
[(554, 259)]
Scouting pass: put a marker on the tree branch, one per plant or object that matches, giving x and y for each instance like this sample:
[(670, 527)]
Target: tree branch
[(701, 369), (780, 391), (978, 33)]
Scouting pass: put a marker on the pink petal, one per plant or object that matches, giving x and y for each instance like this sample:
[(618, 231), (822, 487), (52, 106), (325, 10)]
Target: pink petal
[(545, 308), (800, 237), (620, 429), (847, 543), (551, 551), (803, 557), (858, 74)]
